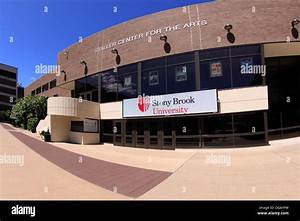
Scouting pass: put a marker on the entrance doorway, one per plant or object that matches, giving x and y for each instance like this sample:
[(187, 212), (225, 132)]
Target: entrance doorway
[(118, 131)]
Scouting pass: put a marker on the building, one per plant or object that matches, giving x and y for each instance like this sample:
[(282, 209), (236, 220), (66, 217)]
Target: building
[(8, 86), (219, 74), (20, 91)]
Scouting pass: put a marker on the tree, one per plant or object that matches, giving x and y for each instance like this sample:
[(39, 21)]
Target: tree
[(27, 108)]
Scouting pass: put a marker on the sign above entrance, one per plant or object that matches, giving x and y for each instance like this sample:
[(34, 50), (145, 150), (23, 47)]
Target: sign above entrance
[(151, 33), (195, 102)]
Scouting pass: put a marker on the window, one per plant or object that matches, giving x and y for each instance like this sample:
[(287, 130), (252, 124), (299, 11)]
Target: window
[(52, 83), (77, 126), (229, 67), (45, 87), (109, 86), (221, 124), (153, 78), (154, 81), (87, 88), (249, 122), (127, 82), (8, 82), (8, 90), (38, 90), (33, 92), (181, 73), (8, 74), (181, 78), (247, 71), (90, 125), (215, 74)]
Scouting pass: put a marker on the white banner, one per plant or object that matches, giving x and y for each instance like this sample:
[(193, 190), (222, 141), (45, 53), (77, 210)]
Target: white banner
[(171, 104)]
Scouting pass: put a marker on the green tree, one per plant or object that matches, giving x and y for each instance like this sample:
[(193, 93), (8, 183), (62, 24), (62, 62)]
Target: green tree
[(27, 108)]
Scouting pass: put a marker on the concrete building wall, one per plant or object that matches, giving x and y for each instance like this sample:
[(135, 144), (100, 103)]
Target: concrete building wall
[(243, 99), (281, 49), (73, 107), (111, 110), (84, 138), (60, 127)]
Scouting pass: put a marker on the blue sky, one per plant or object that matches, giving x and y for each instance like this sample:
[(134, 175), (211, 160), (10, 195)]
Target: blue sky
[(38, 36)]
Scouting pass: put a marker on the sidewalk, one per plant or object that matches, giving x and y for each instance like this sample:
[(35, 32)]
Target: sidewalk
[(265, 172), (50, 176)]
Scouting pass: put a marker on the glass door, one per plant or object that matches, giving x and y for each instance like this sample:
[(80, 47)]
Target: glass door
[(118, 131), (129, 135), (155, 138), (168, 140), (140, 134)]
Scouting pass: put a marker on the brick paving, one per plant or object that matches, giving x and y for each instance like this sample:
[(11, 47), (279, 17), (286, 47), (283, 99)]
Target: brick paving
[(126, 180)]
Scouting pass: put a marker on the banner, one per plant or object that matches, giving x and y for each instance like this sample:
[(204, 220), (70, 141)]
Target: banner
[(195, 102)]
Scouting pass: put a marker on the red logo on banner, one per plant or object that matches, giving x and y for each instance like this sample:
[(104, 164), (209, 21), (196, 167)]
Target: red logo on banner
[(143, 103)]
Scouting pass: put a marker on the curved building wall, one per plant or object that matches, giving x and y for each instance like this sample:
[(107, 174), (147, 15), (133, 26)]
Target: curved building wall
[(189, 28)]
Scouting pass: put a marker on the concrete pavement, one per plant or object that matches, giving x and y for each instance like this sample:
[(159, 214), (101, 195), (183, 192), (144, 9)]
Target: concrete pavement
[(267, 172)]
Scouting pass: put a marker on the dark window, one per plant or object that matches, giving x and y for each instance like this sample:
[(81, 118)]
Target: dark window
[(154, 81), (33, 92), (188, 126), (5, 98), (127, 82), (249, 140), (88, 97), (214, 54), (245, 50), (247, 71), (109, 86), (249, 122), (154, 63), (45, 87), (231, 67), (181, 78), (8, 82), (215, 74), (181, 58), (217, 125), (154, 77), (77, 126), (8, 90), (283, 83), (52, 83), (87, 88), (107, 131), (86, 84), (217, 131), (8, 74), (38, 90)]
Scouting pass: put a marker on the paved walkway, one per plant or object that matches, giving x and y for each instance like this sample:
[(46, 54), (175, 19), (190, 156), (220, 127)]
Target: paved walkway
[(126, 180), (72, 171)]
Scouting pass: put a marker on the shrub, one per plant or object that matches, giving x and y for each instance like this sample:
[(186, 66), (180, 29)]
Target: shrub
[(27, 108), (5, 116), (32, 123)]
